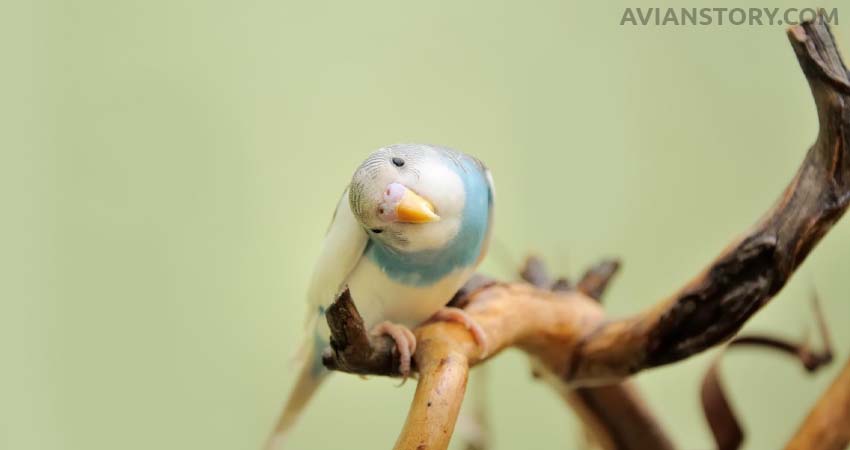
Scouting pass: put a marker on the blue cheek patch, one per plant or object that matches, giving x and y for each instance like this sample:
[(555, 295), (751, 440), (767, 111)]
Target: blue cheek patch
[(427, 267)]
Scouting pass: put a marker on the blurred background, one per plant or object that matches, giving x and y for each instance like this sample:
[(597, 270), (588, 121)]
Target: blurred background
[(171, 167)]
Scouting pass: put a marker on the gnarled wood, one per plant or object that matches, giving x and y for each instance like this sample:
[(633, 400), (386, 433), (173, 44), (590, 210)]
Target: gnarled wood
[(615, 416), (568, 334), (714, 305), (828, 425), (725, 426)]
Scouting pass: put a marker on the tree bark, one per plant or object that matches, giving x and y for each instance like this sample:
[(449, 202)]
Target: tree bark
[(828, 425), (568, 335)]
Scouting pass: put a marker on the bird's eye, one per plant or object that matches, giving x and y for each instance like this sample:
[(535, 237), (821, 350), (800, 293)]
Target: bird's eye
[(398, 162), (377, 230)]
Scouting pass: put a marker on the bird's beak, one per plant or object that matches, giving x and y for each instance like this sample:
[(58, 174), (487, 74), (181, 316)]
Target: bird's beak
[(414, 209)]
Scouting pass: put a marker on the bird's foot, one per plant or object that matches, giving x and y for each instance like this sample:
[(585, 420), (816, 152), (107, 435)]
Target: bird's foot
[(405, 342), (452, 314)]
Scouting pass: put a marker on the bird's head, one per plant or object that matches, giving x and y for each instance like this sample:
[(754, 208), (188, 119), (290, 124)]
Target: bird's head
[(408, 197)]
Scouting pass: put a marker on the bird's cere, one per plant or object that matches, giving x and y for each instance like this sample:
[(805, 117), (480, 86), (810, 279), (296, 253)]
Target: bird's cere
[(401, 204)]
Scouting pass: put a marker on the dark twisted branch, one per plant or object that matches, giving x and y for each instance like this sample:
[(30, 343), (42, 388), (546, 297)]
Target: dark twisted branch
[(615, 416), (721, 418), (352, 349), (567, 333), (716, 304)]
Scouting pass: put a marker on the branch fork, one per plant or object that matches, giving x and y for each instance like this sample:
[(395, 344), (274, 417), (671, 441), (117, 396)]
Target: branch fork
[(566, 331)]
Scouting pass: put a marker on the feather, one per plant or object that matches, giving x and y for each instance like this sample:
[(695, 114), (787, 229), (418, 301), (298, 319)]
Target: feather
[(341, 250), (305, 387)]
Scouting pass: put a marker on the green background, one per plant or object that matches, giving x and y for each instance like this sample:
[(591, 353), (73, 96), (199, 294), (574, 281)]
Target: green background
[(169, 169)]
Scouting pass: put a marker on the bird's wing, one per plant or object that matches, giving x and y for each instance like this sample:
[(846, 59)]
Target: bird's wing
[(342, 248), (491, 201)]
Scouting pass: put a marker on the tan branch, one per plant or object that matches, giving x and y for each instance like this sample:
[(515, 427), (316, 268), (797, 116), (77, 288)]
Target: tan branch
[(615, 416), (568, 334), (828, 425)]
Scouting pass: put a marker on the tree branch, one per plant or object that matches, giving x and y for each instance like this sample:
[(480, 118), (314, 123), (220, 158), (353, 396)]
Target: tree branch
[(615, 416), (568, 334), (721, 418), (352, 349), (828, 425), (716, 304)]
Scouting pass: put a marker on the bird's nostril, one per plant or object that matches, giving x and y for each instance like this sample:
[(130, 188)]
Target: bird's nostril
[(393, 192), (381, 211)]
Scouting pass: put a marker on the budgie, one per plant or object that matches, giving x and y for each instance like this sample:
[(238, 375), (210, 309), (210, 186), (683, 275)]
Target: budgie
[(408, 232)]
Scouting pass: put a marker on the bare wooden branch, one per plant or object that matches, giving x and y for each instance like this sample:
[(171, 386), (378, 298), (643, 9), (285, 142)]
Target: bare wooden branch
[(619, 417), (534, 273), (724, 424), (828, 425), (713, 306), (616, 416), (596, 279), (352, 349), (568, 334)]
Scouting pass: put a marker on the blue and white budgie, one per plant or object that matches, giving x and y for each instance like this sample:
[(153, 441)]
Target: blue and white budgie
[(408, 232)]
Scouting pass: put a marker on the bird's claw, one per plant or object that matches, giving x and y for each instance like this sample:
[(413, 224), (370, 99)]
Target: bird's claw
[(405, 342), (457, 315)]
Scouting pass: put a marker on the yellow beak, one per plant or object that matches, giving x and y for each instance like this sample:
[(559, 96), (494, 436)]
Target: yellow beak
[(414, 209)]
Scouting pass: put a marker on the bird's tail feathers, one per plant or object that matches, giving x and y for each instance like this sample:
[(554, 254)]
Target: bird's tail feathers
[(309, 379)]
